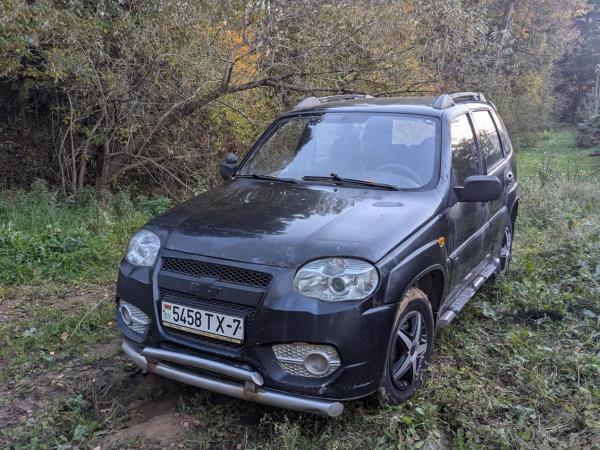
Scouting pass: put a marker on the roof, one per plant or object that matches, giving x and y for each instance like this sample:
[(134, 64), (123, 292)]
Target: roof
[(426, 105), (407, 105)]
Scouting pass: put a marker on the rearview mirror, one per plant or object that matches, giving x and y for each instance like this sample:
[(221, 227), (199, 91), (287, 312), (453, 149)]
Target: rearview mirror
[(479, 188), (227, 168)]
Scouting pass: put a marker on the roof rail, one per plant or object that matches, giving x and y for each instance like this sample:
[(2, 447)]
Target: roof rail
[(308, 102), (443, 101), (314, 101), (448, 100), (333, 98), (467, 97)]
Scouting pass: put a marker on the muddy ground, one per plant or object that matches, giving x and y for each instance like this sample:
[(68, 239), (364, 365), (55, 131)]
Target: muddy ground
[(138, 409), (65, 383)]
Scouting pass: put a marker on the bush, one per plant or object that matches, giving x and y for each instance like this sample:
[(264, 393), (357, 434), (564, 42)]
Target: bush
[(589, 132)]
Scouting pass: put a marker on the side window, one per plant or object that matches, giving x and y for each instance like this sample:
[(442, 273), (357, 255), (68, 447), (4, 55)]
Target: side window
[(464, 151), (488, 138), (506, 144)]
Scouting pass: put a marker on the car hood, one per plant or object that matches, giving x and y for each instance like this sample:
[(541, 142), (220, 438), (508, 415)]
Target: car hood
[(286, 225)]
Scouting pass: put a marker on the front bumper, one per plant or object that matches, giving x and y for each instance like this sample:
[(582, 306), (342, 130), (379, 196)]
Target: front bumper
[(358, 330), (247, 384)]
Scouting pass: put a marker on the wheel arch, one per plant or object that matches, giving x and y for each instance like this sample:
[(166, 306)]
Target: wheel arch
[(432, 282), (514, 211)]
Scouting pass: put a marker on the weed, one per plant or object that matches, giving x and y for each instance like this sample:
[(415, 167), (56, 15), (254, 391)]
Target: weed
[(47, 238), (58, 425)]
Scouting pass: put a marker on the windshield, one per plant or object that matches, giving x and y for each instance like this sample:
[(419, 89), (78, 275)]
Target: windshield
[(395, 149)]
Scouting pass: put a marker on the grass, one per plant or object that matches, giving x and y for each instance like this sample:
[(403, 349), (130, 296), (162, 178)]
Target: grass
[(44, 238), (519, 369)]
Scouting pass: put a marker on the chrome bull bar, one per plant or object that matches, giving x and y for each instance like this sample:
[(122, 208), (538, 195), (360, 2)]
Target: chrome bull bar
[(151, 360)]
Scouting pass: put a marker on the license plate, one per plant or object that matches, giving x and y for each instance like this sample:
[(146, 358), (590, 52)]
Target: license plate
[(200, 321)]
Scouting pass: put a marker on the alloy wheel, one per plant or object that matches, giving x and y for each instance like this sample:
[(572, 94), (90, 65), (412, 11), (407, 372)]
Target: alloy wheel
[(410, 346), (506, 249)]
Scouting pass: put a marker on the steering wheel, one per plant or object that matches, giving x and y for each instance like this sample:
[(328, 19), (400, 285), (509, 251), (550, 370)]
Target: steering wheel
[(401, 170)]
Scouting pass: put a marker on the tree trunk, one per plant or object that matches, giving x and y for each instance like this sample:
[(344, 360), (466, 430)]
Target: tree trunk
[(507, 22), (82, 169), (104, 173), (577, 99)]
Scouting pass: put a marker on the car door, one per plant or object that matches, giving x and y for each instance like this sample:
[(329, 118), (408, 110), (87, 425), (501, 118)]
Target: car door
[(495, 162), (467, 220)]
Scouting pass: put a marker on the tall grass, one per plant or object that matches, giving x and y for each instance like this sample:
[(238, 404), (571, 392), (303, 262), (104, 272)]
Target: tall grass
[(44, 237)]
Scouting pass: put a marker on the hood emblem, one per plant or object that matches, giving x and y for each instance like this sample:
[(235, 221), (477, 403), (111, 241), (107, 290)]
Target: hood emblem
[(206, 288)]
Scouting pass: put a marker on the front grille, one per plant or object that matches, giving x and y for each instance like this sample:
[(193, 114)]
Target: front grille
[(221, 273), (216, 305), (233, 309)]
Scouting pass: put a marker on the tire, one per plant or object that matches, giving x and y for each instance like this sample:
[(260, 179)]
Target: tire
[(506, 249), (408, 356)]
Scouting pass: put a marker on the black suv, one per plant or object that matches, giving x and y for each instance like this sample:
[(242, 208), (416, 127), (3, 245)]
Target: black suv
[(320, 269)]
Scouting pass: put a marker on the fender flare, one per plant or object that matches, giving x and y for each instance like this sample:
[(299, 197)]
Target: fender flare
[(398, 283), (421, 274)]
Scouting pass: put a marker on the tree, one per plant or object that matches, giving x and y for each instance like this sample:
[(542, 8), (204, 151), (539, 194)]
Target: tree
[(575, 72), (153, 95)]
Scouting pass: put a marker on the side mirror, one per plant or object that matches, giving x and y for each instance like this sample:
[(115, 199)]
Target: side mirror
[(227, 168), (479, 188)]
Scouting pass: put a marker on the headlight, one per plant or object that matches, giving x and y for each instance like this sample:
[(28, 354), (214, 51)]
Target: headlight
[(143, 248), (337, 279)]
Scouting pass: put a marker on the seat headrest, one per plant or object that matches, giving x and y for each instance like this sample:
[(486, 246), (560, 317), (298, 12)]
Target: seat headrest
[(378, 130)]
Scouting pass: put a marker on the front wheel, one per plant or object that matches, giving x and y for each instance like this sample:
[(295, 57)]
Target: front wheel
[(409, 349), (506, 248)]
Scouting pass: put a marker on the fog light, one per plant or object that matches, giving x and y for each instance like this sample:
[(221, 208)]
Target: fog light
[(126, 313), (134, 317), (307, 360), (317, 364)]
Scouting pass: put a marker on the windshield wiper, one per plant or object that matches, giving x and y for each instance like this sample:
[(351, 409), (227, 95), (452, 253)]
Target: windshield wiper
[(341, 180), (257, 176)]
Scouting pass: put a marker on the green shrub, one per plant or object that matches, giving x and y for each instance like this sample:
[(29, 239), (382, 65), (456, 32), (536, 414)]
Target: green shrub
[(589, 132)]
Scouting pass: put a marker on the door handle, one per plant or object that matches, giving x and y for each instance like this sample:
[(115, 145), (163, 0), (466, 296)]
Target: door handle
[(509, 177)]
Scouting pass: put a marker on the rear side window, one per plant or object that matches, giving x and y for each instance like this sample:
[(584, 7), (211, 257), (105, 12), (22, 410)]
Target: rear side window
[(464, 151), (488, 138)]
